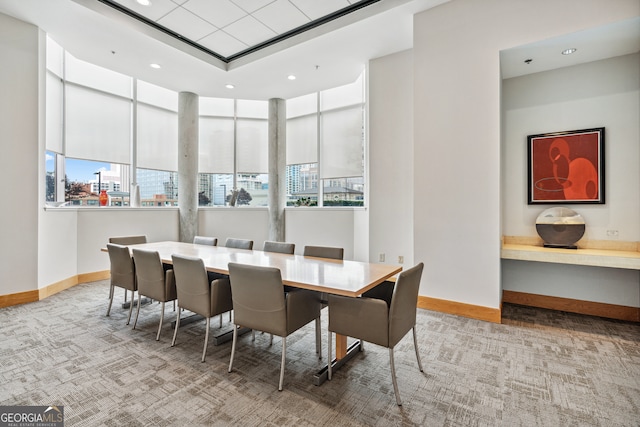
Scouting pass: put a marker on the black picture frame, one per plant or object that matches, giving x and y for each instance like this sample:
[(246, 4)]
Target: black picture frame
[(566, 167)]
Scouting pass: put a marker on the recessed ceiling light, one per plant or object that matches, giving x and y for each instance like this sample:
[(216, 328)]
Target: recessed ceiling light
[(569, 51), (229, 86), (291, 77), (144, 2), (155, 66)]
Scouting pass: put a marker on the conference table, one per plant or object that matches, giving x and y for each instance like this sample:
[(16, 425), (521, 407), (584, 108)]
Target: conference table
[(339, 277)]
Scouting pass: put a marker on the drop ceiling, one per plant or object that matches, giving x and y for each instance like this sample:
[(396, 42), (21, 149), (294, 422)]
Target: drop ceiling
[(236, 42)]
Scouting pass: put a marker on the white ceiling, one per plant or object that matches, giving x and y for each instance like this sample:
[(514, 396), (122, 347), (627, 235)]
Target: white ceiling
[(330, 55)]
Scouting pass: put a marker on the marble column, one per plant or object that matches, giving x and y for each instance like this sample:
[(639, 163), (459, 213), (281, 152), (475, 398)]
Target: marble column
[(188, 165), (277, 167)]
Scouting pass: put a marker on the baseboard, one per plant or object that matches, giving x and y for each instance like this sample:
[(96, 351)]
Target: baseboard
[(19, 298), (610, 311), (47, 291), (479, 312), (92, 277)]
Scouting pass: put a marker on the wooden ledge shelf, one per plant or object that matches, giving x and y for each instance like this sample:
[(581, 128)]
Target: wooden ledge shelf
[(613, 254)]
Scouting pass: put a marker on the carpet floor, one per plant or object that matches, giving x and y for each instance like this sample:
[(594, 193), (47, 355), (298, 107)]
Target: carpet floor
[(537, 368)]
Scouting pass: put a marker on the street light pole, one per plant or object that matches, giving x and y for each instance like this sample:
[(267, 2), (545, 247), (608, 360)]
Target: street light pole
[(99, 181)]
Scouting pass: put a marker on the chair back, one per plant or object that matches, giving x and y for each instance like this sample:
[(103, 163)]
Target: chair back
[(123, 273), (192, 284), (205, 240), (128, 240), (404, 302), (238, 243), (150, 274), (279, 247), (258, 298), (324, 252)]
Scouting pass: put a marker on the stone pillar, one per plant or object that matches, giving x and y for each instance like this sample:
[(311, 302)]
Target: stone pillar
[(188, 165), (277, 167)]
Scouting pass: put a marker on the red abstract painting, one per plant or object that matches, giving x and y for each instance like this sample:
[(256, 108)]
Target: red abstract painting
[(566, 167)]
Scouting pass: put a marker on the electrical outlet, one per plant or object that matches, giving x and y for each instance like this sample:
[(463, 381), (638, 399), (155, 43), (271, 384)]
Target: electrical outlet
[(400, 259), (381, 258), (612, 233)]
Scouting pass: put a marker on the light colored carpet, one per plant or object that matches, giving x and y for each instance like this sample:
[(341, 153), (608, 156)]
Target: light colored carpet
[(539, 367)]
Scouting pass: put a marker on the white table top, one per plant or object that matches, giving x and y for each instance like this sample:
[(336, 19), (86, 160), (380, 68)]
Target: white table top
[(348, 278)]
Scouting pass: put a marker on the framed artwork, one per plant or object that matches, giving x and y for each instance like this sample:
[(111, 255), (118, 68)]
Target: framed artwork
[(566, 167)]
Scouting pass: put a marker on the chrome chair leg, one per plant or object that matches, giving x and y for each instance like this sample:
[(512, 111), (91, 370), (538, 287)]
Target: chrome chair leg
[(318, 338), (393, 378), (130, 307), (135, 322), (329, 357), (233, 346), (415, 345), (206, 339), (161, 320), (175, 331), (110, 299), (284, 354)]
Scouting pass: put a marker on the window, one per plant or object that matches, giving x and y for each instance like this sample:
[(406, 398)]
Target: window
[(233, 152), (157, 188), (325, 143)]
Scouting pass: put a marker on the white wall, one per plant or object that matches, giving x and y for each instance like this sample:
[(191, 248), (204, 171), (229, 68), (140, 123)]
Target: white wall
[(457, 139), (241, 223), (320, 227), (391, 164), (96, 225), (19, 109), (598, 94)]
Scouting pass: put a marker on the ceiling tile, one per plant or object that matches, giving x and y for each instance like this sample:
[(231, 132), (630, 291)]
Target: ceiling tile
[(222, 43), (249, 30), (219, 12), (252, 5), (155, 11), (281, 16), (187, 24), (315, 9)]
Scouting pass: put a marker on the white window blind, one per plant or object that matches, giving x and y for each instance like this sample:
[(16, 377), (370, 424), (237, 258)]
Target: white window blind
[(157, 138), (98, 125), (302, 140), (54, 113), (252, 146), (341, 143), (216, 145)]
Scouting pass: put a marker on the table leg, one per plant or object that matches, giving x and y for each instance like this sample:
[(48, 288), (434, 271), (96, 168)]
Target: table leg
[(344, 353)]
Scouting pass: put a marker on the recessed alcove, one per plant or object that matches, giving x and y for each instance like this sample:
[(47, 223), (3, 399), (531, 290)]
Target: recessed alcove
[(598, 87)]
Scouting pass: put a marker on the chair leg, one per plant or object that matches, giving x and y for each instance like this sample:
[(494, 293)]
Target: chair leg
[(175, 331), (253, 335), (318, 338), (221, 320), (393, 378), (329, 356), (130, 307), (161, 320), (174, 305), (271, 340), (415, 345), (135, 322), (206, 339), (284, 354), (233, 346), (110, 299)]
